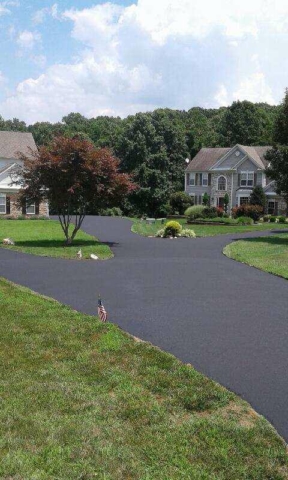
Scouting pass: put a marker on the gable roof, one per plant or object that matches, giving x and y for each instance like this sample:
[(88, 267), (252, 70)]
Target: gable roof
[(208, 157), (13, 142)]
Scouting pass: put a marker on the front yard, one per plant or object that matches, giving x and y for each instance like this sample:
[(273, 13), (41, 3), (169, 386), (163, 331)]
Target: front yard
[(46, 238), (82, 399), (143, 228), (266, 253)]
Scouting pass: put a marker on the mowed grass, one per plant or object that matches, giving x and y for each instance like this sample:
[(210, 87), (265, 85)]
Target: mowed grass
[(83, 400), (266, 253), (143, 228), (46, 238)]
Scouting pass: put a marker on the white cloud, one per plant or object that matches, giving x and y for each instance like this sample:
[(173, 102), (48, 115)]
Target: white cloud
[(40, 15), (27, 39), (158, 53), (254, 88)]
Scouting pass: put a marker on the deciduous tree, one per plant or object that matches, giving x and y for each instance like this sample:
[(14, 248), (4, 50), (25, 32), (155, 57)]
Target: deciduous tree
[(74, 177)]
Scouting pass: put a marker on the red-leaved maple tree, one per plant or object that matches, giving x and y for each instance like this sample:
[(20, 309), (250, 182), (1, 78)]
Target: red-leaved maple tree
[(74, 177)]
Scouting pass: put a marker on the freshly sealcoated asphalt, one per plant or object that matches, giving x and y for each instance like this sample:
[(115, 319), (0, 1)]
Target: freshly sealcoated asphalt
[(228, 320)]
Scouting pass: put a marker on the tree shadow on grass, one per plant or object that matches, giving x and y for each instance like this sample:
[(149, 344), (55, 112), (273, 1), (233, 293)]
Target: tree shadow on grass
[(61, 243), (271, 240)]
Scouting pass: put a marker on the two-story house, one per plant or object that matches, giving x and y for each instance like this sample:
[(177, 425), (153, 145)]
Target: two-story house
[(11, 143), (234, 171)]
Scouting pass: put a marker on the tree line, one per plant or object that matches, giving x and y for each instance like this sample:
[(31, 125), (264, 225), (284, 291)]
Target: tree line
[(153, 146)]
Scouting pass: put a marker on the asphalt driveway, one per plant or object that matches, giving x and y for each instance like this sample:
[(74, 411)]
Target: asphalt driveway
[(228, 320)]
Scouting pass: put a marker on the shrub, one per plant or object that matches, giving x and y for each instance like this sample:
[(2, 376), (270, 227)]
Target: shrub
[(282, 219), (160, 233), (206, 199), (187, 233), (209, 212), (273, 219), (220, 211), (195, 212), (112, 212), (245, 221), (266, 218), (172, 229), (252, 211), (179, 202)]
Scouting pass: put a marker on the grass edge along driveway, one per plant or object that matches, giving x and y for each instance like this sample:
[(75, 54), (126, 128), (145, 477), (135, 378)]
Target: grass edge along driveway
[(83, 399), (265, 253), (145, 229), (46, 238)]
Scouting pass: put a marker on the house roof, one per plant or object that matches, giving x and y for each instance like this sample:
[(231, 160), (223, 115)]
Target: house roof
[(208, 157), (11, 143)]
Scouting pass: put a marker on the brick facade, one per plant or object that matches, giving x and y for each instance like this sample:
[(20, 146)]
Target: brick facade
[(15, 211)]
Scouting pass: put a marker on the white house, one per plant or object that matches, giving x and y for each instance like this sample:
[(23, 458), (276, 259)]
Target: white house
[(11, 143)]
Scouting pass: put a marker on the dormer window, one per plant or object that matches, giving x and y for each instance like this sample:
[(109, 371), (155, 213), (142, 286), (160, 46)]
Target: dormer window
[(222, 183)]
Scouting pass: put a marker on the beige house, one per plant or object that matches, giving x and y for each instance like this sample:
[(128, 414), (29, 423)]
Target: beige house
[(11, 143), (235, 171)]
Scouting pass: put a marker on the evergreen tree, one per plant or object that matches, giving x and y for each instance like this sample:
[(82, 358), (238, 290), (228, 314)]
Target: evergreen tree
[(258, 196), (226, 202)]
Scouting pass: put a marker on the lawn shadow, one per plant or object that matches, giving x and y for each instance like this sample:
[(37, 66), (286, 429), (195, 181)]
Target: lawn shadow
[(270, 240), (59, 243)]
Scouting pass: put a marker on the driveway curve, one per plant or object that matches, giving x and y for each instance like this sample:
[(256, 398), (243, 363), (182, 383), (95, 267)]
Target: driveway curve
[(228, 320)]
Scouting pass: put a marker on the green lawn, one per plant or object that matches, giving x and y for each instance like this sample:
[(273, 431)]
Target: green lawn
[(266, 253), (83, 400), (46, 238), (142, 228)]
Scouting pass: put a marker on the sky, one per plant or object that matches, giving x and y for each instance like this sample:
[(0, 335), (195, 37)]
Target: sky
[(121, 57)]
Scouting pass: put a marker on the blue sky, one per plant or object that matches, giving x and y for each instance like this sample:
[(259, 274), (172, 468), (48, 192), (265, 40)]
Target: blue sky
[(121, 57)]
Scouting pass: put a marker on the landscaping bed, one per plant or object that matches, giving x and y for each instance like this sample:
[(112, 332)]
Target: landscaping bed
[(82, 399), (46, 238), (201, 230)]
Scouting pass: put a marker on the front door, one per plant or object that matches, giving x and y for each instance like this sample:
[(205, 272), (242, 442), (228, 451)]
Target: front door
[(220, 202), (272, 207)]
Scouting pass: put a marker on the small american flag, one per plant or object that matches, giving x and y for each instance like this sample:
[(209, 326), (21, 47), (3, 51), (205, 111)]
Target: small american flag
[(102, 314)]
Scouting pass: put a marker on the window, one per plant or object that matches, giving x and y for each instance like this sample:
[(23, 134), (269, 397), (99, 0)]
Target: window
[(247, 179), (192, 179), (222, 183), (2, 203), (244, 200), (205, 180), (30, 209)]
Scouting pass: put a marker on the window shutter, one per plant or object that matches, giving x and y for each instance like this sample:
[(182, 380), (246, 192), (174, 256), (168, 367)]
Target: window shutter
[(24, 209), (8, 205), (200, 179), (209, 179), (196, 178), (239, 179), (255, 179), (37, 207)]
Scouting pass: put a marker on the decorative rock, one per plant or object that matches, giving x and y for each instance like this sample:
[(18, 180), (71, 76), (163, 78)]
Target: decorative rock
[(94, 257), (8, 241)]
